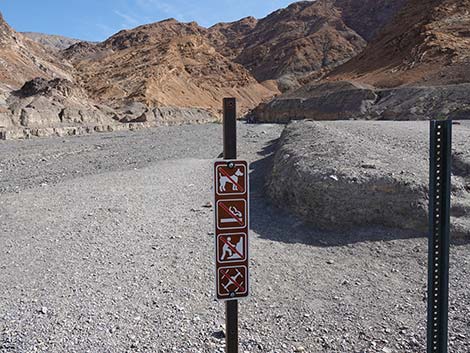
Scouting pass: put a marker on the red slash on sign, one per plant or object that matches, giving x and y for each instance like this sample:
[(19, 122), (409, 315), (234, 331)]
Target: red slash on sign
[(232, 180), (232, 248), (237, 218), (232, 281), (231, 214)]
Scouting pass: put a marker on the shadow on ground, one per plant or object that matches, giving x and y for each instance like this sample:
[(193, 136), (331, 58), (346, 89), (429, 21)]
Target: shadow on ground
[(273, 223)]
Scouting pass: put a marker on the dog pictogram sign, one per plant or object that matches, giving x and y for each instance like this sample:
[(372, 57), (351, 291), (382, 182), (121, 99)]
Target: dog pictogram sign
[(231, 190), (231, 180)]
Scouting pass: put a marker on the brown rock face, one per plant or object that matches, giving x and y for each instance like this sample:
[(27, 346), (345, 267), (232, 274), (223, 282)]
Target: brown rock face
[(306, 37), (427, 43), (22, 59), (368, 18), (416, 68), (50, 41), (230, 38), (305, 40), (164, 64)]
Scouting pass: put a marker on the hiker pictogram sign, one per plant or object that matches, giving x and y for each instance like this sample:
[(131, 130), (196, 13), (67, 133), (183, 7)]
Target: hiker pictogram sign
[(231, 247), (231, 214), (231, 190), (231, 180), (233, 281)]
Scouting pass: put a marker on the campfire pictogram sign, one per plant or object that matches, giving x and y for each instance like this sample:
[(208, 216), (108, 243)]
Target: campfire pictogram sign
[(231, 214), (231, 190)]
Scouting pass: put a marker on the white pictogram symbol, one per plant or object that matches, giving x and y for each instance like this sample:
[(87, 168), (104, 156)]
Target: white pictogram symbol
[(233, 280), (225, 178), (231, 214), (236, 214), (232, 251)]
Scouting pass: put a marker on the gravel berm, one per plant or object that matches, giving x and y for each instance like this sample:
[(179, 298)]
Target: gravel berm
[(106, 246)]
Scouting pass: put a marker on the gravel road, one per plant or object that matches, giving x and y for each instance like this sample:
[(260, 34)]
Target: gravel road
[(106, 246)]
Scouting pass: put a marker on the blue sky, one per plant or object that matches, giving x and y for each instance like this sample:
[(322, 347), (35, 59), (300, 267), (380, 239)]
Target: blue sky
[(98, 19)]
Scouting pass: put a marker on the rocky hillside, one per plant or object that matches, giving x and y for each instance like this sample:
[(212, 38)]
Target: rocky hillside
[(21, 59), (306, 39), (50, 41), (164, 64), (427, 44), (416, 68)]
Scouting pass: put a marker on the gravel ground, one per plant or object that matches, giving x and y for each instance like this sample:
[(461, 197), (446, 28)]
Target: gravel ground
[(105, 246)]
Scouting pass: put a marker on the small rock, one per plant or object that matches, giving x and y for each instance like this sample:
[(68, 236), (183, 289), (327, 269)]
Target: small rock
[(299, 349), (43, 310), (208, 205), (334, 177), (218, 334)]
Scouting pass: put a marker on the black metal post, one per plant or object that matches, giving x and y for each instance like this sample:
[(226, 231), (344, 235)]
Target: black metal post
[(230, 152), (439, 225), (230, 128)]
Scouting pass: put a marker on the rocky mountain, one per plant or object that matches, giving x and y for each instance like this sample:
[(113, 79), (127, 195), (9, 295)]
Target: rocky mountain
[(164, 64), (417, 67), (427, 44), (21, 60), (306, 39), (51, 41)]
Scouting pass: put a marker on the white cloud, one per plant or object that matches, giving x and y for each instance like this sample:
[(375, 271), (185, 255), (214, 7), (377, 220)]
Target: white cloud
[(166, 8), (129, 19)]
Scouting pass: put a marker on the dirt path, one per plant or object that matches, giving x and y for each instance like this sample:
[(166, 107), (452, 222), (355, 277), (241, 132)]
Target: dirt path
[(105, 246)]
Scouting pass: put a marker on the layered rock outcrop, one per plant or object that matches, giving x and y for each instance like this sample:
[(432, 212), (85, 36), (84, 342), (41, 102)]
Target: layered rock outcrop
[(343, 175), (50, 41), (342, 100)]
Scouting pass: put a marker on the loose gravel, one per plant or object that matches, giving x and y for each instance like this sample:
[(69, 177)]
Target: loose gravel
[(106, 246)]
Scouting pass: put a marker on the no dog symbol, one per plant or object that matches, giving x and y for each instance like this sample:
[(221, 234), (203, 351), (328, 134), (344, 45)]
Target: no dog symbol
[(231, 179)]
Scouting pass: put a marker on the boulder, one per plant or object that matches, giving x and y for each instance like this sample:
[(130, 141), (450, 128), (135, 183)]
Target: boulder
[(348, 174)]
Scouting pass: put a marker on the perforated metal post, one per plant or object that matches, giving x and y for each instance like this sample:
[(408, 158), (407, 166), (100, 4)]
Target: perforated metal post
[(230, 152), (439, 220)]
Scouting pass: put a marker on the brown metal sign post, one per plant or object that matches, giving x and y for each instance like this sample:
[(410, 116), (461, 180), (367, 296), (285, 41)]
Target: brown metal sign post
[(231, 189)]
